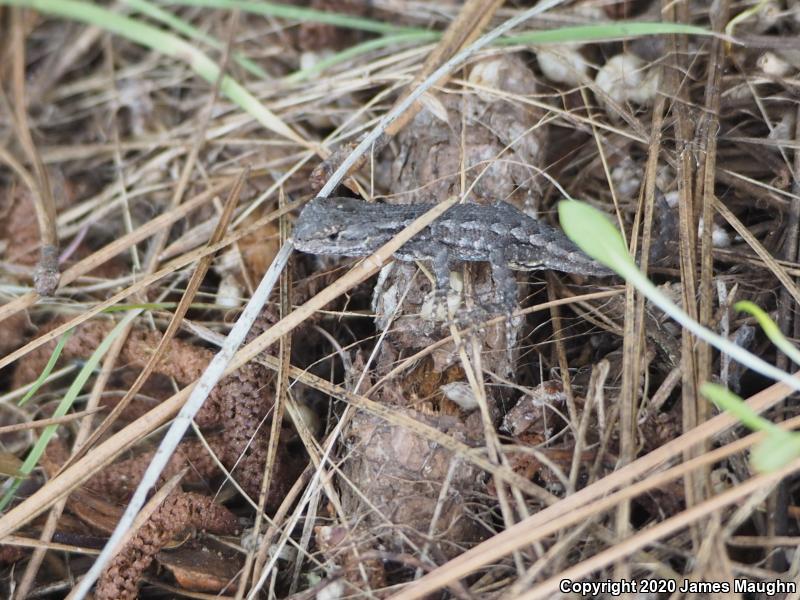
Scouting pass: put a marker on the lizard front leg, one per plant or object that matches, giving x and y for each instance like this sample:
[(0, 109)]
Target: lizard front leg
[(505, 284), (441, 263)]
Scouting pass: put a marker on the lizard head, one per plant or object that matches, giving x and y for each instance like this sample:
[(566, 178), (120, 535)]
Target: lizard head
[(332, 226)]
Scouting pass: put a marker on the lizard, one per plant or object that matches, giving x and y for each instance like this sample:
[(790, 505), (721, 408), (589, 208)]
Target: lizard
[(500, 234)]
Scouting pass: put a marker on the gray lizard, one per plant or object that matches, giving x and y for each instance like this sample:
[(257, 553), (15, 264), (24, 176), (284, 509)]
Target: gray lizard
[(496, 233)]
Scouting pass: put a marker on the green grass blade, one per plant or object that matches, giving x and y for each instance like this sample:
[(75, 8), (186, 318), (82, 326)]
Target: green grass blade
[(63, 407), (296, 13), (167, 44), (354, 51), (48, 368), (744, 15), (778, 449), (162, 16), (594, 234), (603, 32)]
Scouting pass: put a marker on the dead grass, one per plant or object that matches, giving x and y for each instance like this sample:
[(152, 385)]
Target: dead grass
[(370, 479)]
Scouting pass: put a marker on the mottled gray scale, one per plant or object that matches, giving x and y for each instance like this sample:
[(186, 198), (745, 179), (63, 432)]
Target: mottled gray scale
[(449, 226), (521, 234), (499, 229), (498, 233), (472, 225)]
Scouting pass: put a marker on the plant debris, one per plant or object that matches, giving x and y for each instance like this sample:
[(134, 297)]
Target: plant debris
[(398, 431)]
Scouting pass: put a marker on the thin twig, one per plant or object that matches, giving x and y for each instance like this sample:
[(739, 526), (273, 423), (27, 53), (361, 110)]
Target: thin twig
[(40, 423), (446, 68), (46, 276)]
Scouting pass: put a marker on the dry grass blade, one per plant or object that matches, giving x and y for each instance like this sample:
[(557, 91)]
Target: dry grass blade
[(14, 540), (175, 322), (46, 276), (45, 215), (769, 261), (520, 535), (112, 249), (45, 422), (507, 439), (706, 508), (106, 452), (255, 560)]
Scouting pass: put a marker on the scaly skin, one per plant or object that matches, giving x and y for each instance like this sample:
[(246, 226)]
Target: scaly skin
[(497, 233)]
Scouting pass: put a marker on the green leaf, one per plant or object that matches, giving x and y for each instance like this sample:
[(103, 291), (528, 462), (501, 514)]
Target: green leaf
[(727, 400), (775, 452), (770, 328), (596, 235)]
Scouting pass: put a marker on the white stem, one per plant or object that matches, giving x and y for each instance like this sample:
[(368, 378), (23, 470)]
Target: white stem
[(445, 69), (207, 381), (720, 343)]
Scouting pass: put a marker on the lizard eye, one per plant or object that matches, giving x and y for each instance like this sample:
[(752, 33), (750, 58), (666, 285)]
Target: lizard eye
[(332, 237)]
